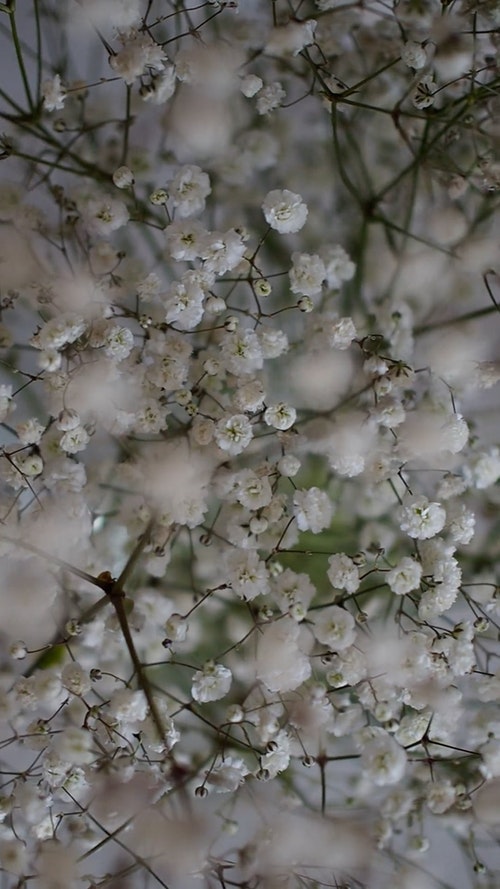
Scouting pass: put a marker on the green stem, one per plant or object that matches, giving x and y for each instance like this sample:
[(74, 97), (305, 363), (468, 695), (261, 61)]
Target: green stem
[(20, 60), (38, 51), (468, 316)]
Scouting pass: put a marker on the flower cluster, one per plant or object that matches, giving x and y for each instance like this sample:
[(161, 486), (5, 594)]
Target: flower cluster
[(250, 451)]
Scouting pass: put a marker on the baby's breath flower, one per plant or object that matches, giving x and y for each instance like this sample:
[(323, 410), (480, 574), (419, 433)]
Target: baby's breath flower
[(280, 416), (421, 519), (284, 211), (233, 434), (54, 94), (211, 683)]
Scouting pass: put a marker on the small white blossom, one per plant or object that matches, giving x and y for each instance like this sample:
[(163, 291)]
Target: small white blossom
[(74, 440), (270, 97), (335, 627), (54, 94), (31, 431), (227, 774), (339, 266), (307, 274), (424, 93), (128, 706), (289, 465), (211, 683), (413, 54), (281, 665), (247, 574), (119, 342), (291, 39), (241, 352), (188, 190), (250, 85), (161, 87), (343, 574), (222, 251), (104, 215), (139, 51), (76, 679), (185, 239), (421, 519), (233, 434), (312, 509), (405, 577), (284, 211), (342, 333), (280, 416), (483, 469), (383, 760), (278, 759), (440, 797)]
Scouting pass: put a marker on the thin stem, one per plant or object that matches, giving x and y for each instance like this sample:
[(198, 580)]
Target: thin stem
[(20, 60)]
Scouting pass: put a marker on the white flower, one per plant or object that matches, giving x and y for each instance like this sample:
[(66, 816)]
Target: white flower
[(74, 440), (247, 574), (483, 469), (123, 177), (227, 774), (184, 304), (441, 796), (188, 190), (222, 251), (104, 215), (289, 465), (335, 627), (293, 593), (118, 343), (161, 87), (253, 491), (250, 85), (7, 405), (273, 343), (383, 760), (58, 332), (278, 759), (74, 745), (241, 352), (405, 577), (139, 51), (185, 239), (460, 523), (307, 274), (233, 434), (339, 266), (250, 396), (312, 509), (341, 333), (291, 38), (54, 94), (421, 519), (490, 754), (30, 432), (281, 665), (128, 706), (414, 55), (280, 416), (211, 683), (75, 679), (343, 573), (424, 92), (284, 211), (347, 668), (436, 600), (270, 98)]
